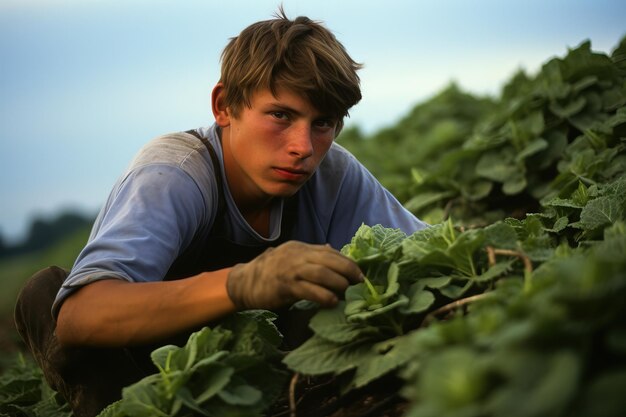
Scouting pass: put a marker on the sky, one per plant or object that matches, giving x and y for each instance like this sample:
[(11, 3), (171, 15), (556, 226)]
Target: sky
[(85, 83)]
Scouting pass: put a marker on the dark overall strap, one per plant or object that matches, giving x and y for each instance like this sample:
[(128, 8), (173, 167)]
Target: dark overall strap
[(217, 251), (221, 204)]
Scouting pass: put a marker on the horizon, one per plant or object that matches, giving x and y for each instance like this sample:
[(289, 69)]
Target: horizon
[(85, 85)]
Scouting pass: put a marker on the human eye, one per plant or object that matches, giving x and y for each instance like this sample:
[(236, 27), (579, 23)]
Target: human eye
[(324, 123), (280, 115)]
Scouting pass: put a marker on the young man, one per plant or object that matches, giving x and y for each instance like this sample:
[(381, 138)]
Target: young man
[(248, 213)]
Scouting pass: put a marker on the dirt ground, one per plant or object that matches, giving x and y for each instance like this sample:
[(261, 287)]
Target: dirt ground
[(319, 397)]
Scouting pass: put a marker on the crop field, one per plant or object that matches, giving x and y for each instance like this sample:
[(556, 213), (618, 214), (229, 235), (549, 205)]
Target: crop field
[(511, 304)]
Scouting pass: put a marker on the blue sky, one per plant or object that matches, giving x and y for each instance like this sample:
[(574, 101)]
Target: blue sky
[(84, 83)]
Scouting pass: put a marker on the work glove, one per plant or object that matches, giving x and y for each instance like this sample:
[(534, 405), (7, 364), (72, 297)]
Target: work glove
[(290, 272)]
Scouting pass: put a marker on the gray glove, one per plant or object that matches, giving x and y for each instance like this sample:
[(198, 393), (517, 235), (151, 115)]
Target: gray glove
[(291, 272)]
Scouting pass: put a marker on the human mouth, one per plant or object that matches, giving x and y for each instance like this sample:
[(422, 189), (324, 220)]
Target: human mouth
[(291, 174)]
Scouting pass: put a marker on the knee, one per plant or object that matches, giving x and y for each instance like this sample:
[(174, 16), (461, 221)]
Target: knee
[(38, 293)]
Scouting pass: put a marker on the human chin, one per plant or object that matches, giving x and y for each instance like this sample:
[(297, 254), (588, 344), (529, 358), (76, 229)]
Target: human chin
[(283, 190)]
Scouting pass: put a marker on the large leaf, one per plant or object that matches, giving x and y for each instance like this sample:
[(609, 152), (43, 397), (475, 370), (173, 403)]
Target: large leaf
[(601, 212), (319, 356), (498, 166), (332, 325), (373, 243), (420, 300)]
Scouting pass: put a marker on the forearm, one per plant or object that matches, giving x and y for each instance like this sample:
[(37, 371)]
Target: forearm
[(118, 313)]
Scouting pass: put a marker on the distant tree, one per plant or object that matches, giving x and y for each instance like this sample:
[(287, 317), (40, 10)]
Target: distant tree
[(44, 233)]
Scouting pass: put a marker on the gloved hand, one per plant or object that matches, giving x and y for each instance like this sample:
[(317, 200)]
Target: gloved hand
[(291, 272)]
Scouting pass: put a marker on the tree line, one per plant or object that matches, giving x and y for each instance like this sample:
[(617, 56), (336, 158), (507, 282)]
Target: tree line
[(45, 232)]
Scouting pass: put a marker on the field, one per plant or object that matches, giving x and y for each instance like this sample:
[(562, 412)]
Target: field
[(510, 304)]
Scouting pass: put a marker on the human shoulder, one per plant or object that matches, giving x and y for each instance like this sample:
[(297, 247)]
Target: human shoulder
[(182, 153), (177, 149)]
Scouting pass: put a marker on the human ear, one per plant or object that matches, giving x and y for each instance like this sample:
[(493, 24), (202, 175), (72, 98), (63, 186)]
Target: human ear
[(220, 111)]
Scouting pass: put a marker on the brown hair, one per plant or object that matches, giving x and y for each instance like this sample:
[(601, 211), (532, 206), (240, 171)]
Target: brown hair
[(300, 55)]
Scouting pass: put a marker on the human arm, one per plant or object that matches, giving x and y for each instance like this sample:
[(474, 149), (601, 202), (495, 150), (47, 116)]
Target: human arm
[(115, 294), (114, 312)]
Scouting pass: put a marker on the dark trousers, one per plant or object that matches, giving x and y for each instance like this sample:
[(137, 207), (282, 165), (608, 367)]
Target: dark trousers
[(89, 379)]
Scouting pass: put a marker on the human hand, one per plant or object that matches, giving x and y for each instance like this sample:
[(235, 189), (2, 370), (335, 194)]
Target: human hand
[(291, 272)]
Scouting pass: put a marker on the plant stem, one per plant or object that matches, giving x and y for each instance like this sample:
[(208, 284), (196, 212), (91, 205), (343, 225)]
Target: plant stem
[(372, 290)]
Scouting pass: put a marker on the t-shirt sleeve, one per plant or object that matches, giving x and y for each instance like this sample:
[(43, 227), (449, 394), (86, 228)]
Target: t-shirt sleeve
[(150, 217), (361, 200)]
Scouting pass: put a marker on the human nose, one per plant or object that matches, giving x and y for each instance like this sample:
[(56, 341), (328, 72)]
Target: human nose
[(300, 142)]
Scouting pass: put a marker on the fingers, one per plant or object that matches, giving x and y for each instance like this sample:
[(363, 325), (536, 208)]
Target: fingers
[(326, 257), (317, 272), (305, 290), (292, 271)]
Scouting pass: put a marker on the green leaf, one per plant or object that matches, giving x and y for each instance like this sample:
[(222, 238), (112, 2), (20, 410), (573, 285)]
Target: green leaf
[(185, 397), (497, 166), (501, 236), (455, 291), (435, 282), (426, 199), (112, 410), (532, 148), (318, 356), (374, 243), (515, 184), (161, 357), (426, 254), (202, 343), (254, 332), (420, 299), (601, 212), (377, 310), (569, 109), (560, 224), (210, 380), (477, 189), (453, 379), (463, 249), (331, 324), (557, 142), (383, 358), (547, 382), (240, 395), (495, 271), (205, 361), (146, 398), (392, 283)]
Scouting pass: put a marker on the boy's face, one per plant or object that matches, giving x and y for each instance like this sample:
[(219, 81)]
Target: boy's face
[(274, 146)]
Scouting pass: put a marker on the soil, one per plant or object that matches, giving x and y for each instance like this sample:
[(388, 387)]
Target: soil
[(320, 397)]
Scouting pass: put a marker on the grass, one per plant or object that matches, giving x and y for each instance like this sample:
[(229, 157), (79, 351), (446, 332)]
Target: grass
[(15, 271)]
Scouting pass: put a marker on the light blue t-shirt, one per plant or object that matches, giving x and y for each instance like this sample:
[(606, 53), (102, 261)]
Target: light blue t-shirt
[(169, 194)]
